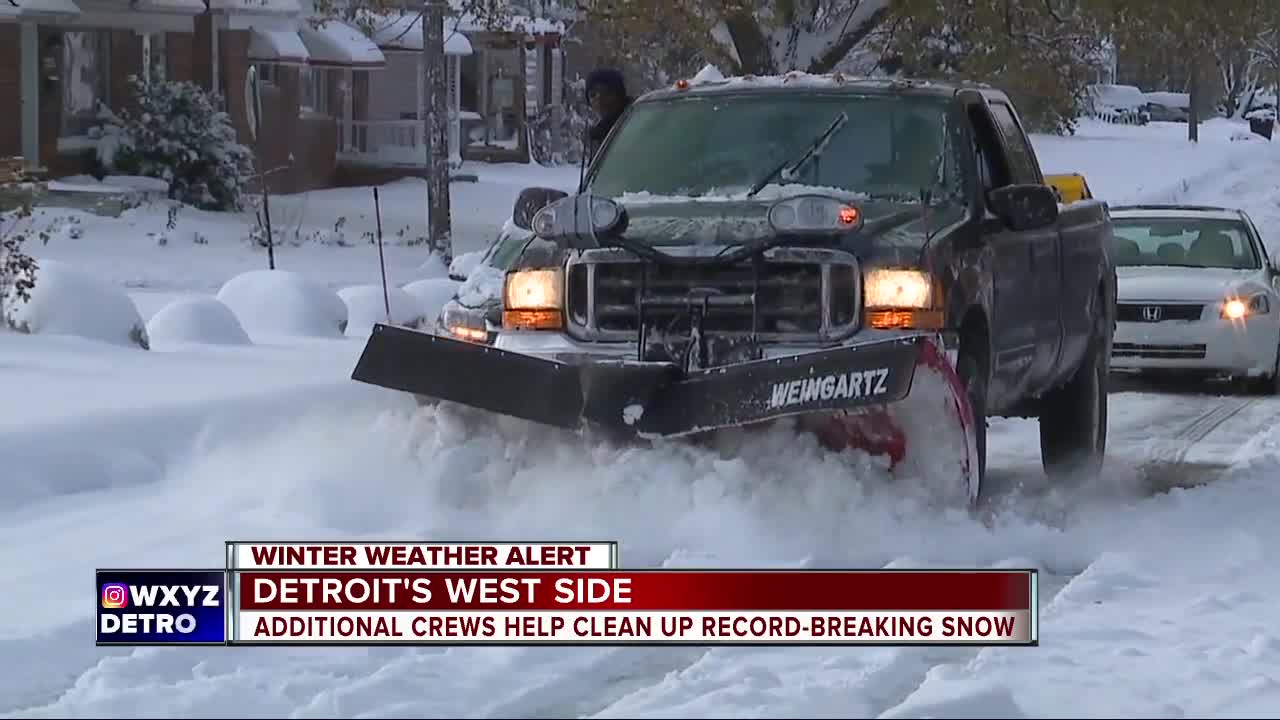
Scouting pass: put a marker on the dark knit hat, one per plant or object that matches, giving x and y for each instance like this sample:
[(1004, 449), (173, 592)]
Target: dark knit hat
[(607, 77)]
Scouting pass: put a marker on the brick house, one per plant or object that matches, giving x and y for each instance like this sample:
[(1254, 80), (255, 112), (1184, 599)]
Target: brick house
[(500, 80), (59, 58), (334, 106)]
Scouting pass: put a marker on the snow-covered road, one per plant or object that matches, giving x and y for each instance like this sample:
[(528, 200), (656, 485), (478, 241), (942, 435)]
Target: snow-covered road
[(1158, 587), (332, 460)]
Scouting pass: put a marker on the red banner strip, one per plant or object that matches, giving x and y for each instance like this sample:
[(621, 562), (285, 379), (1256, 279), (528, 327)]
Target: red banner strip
[(637, 590)]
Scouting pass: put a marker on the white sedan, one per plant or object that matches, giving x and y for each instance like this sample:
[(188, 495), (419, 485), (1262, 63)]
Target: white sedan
[(1198, 294)]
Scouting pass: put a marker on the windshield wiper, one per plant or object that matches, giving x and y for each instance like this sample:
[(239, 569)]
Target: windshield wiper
[(788, 167)]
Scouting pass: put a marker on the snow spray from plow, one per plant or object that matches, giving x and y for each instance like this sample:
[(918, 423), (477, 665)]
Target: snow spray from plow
[(871, 396)]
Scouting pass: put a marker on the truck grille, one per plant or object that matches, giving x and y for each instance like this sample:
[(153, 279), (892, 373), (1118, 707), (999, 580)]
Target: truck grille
[(1158, 352), (1157, 312), (802, 295)]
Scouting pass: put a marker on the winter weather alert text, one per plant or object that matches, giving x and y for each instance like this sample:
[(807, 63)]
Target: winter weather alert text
[(560, 593)]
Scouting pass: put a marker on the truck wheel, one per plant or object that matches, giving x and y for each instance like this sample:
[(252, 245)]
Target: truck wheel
[(973, 376), (1073, 418)]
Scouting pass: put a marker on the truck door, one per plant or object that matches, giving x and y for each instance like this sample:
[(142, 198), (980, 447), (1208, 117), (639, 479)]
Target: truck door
[(1013, 304), (1044, 246)]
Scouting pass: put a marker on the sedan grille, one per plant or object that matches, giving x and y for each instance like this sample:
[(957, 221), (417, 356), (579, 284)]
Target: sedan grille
[(1158, 352), (1157, 312)]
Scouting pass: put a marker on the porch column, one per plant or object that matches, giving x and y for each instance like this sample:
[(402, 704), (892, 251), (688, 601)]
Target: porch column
[(215, 77), (454, 64), (421, 132), (146, 56), (348, 110), (29, 86)]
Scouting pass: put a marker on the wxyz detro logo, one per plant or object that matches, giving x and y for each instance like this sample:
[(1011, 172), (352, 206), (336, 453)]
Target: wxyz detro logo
[(156, 608)]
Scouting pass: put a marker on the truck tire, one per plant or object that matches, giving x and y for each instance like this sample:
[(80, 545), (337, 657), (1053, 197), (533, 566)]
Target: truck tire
[(973, 375), (1073, 417)]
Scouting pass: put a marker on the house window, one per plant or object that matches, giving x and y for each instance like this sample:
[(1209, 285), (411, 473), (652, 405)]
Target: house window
[(268, 73), (502, 114), (315, 90), (156, 57), (86, 72)]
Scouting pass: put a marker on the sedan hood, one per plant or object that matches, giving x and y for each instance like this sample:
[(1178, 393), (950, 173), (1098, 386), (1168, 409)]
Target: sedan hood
[(1190, 284)]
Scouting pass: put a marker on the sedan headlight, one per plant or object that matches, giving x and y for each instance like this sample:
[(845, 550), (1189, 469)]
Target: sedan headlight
[(1241, 308), (533, 299), (901, 299), (465, 325)]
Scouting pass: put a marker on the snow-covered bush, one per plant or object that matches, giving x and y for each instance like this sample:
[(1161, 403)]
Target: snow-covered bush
[(16, 267), (176, 133), (280, 302), (64, 301), (366, 305), (202, 320), (463, 264)]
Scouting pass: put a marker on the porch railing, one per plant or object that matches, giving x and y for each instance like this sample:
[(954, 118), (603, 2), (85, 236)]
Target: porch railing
[(392, 142)]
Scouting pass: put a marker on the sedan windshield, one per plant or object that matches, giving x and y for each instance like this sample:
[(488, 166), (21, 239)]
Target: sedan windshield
[(1184, 242), (721, 146)]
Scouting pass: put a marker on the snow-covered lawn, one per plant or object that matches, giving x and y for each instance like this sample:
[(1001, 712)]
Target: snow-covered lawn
[(117, 456)]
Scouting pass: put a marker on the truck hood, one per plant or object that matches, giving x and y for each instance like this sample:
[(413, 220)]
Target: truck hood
[(666, 223), (1195, 284)]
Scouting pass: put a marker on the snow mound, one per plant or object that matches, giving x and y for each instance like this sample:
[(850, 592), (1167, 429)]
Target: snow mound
[(432, 294), (990, 701), (284, 303), (203, 320), (65, 301), (434, 267), (366, 305)]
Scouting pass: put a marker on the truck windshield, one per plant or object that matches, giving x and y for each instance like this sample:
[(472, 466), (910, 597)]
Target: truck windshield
[(1181, 242), (718, 146)]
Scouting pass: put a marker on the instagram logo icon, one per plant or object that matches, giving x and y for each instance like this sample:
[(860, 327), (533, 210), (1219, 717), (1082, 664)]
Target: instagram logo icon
[(115, 595)]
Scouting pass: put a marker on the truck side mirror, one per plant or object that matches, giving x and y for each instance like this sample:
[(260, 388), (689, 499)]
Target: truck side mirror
[(530, 201), (1024, 207)]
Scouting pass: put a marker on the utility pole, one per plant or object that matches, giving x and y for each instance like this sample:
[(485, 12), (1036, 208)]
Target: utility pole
[(435, 115)]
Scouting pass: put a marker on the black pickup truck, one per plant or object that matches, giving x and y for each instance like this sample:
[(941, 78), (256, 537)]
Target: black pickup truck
[(749, 249)]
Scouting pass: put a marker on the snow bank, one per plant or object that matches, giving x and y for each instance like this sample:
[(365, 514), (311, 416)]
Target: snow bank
[(65, 301), (433, 267), (431, 294), (279, 302), (203, 320), (366, 305)]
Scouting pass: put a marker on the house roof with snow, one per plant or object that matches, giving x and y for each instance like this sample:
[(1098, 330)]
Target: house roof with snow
[(37, 9), (403, 33), (334, 43)]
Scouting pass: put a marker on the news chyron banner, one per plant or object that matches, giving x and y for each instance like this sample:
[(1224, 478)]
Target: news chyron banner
[(572, 593)]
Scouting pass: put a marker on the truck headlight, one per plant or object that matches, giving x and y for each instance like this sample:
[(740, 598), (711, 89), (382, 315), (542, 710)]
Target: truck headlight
[(901, 299), (533, 300), (1241, 308)]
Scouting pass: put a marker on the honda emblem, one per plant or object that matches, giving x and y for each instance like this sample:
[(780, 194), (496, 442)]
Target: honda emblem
[(1151, 313)]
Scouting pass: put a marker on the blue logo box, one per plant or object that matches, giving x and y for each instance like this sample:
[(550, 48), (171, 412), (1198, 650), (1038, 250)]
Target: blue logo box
[(161, 607)]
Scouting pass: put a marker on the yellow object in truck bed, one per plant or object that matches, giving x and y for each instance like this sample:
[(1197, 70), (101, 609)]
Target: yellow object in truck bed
[(1071, 187)]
